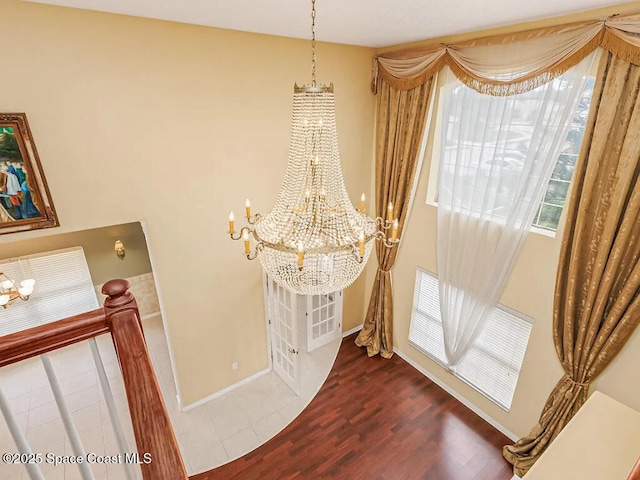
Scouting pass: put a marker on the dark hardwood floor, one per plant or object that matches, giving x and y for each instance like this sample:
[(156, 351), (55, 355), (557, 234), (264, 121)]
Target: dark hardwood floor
[(377, 419)]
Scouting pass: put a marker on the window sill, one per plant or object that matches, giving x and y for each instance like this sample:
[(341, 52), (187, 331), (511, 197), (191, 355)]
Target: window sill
[(537, 230), (543, 232), (453, 373)]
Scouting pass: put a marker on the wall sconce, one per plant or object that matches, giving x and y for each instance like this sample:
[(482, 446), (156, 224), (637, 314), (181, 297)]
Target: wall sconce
[(119, 248)]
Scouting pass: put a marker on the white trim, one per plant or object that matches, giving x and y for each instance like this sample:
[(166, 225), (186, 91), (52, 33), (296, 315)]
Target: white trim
[(545, 233), (69, 427), (228, 389), (145, 231), (267, 314), (150, 315), (107, 395), (456, 395), (352, 331), (423, 149), (19, 438)]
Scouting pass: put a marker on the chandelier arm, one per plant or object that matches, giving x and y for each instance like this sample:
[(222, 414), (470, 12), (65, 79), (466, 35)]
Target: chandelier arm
[(382, 237), (383, 223), (327, 250), (240, 233), (253, 219), (254, 255), (388, 243)]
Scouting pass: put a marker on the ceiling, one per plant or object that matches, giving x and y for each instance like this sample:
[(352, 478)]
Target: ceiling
[(373, 23)]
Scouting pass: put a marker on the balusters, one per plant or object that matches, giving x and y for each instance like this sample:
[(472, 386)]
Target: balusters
[(67, 419), (111, 408), (18, 437), (151, 424)]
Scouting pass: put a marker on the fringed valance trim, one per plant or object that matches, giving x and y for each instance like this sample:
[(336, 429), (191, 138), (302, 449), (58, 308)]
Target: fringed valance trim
[(523, 84), (405, 84), (618, 46), (403, 70)]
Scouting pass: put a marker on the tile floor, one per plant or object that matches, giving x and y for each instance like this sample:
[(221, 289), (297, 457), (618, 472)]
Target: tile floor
[(217, 432)]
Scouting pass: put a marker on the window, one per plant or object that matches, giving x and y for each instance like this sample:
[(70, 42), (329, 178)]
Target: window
[(63, 288), (493, 363), (548, 214)]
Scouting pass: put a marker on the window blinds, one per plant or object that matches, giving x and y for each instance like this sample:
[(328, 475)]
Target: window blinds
[(63, 288), (493, 363)]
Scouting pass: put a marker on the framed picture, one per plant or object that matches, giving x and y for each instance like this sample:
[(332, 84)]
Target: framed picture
[(25, 201)]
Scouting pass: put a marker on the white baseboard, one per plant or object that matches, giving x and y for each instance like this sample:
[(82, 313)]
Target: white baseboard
[(219, 393), (457, 396), (149, 315), (352, 331)]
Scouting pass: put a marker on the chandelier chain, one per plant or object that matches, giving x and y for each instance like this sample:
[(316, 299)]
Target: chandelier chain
[(313, 42)]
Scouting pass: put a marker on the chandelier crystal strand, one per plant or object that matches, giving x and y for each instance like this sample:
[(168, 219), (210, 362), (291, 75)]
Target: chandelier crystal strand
[(313, 208), (313, 241)]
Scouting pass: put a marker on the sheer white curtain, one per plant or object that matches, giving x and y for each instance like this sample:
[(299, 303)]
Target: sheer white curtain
[(497, 155)]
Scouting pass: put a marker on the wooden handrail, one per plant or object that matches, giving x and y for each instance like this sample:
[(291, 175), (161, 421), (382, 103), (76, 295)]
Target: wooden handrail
[(51, 336), (151, 423), (635, 472), (120, 317)]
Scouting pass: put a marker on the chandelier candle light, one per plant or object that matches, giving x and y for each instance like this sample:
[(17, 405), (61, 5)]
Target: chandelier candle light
[(9, 291), (313, 241)]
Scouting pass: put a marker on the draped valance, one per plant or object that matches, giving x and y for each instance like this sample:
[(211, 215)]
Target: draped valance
[(512, 63)]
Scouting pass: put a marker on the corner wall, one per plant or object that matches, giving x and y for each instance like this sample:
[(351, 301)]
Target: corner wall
[(177, 124), (530, 291)]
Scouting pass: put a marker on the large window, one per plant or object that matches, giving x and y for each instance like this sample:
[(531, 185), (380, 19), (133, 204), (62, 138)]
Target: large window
[(548, 215), (493, 363), (513, 150), (63, 288)]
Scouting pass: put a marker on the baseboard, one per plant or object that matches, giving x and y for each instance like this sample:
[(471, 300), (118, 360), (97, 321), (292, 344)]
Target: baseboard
[(352, 331), (219, 393), (150, 315), (457, 396)]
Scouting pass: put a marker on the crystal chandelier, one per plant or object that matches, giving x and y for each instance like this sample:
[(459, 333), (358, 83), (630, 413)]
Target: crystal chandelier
[(313, 241), (10, 292)]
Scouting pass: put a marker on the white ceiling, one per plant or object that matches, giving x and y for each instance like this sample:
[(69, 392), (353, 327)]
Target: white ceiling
[(373, 23)]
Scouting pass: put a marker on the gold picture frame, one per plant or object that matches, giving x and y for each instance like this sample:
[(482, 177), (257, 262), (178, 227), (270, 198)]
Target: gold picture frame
[(25, 201)]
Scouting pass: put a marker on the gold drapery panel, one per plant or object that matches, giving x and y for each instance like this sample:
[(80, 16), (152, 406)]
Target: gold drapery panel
[(512, 63), (597, 294), (401, 120)]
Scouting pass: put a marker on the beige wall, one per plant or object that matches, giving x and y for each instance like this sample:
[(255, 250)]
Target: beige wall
[(177, 124), (530, 291), (98, 245)]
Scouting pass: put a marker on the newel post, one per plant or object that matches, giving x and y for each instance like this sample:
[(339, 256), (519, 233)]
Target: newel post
[(157, 447), (119, 298)]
